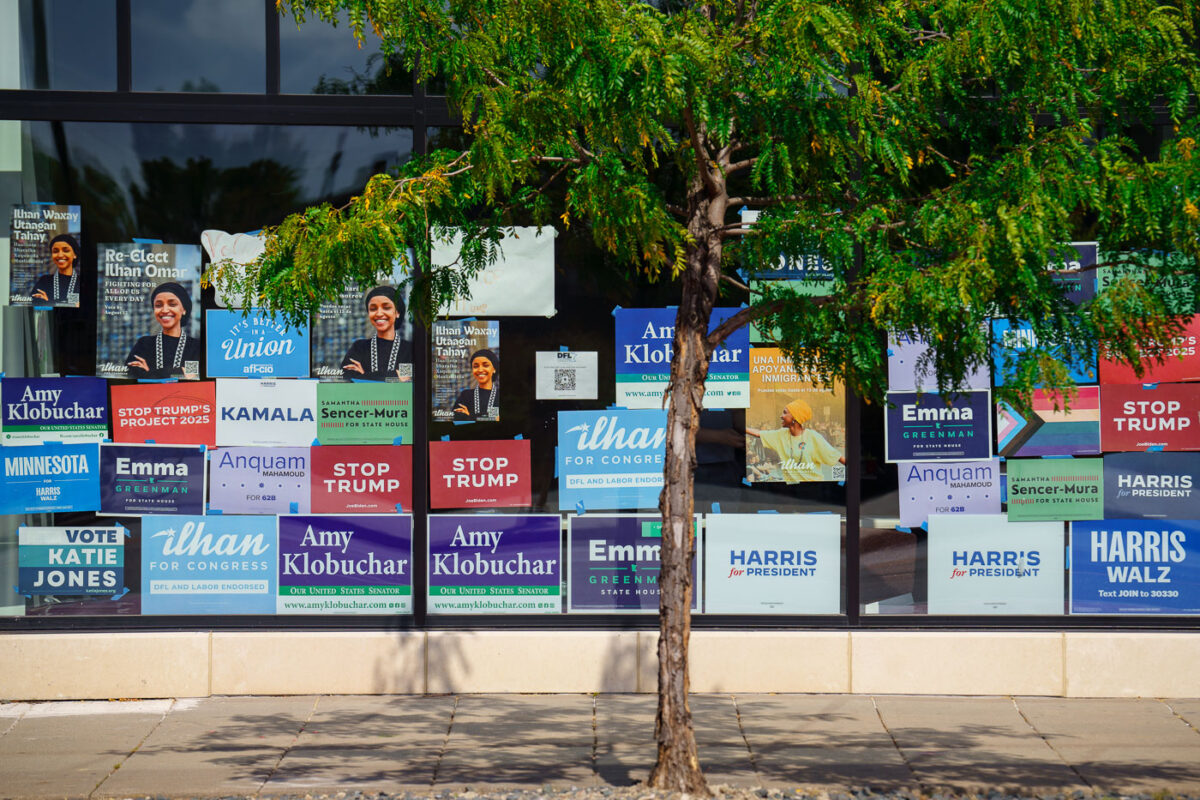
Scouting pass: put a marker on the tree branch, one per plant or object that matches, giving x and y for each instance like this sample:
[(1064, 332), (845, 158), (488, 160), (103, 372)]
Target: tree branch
[(703, 159), (738, 166), (770, 200), (743, 317), (734, 281)]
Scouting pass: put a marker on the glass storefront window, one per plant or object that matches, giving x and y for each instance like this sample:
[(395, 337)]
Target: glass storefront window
[(317, 58), (67, 44), (199, 46)]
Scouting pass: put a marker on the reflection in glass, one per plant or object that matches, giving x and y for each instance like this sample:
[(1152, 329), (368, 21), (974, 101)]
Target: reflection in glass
[(199, 46), (317, 58), (68, 44)]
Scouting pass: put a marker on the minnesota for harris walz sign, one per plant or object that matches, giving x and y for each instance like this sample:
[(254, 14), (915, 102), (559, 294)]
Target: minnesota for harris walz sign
[(923, 427)]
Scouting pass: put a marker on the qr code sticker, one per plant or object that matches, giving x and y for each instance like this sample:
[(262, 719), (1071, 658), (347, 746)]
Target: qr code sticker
[(564, 380)]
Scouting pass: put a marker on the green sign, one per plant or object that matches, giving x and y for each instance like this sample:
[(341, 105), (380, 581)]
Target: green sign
[(1170, 276), (1055, 489), (364, 413), (811, 287)]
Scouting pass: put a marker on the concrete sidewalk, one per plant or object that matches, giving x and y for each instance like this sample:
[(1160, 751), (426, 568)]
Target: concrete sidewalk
[(317, 744)]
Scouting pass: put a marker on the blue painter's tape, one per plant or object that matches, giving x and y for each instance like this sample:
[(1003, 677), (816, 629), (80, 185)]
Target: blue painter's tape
[(124, 591), (467, 319), (747, 481), (1057, 455), (316, 442), (716, 508), (519, 436), (17, 590), (925, 526), (891, 353), (446, 438), (215, 511), (106, 441), (293, 508), (42, 202), (841, 483), (1155, 448), (150, 441), (555, 462), (768, 511), (615, 310), (399, 508), (147, 241), (580, 509), (158, 380), (398, 440), (1150, 385), (1067, 558), (464, 422), (562, 348), (903, 529)]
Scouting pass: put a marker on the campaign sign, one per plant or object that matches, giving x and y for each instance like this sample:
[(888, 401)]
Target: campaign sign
[(165, 413), (71, 561), (610, 459), (1180, 360), (364, 413), (1055, 489), (42, 478), (38, 265), (615, 563), (1135, 566), (345, 565), (254, 346), (772, 564), (1010, 344), (259, 480), (151, 479), (947, 487), (910, 367), (37, 410), (645, 342), (363, 479), (1076, 273), (1151, 486), (487, 474), (489, 564), (923, 427), (266, 412), (1049, 428), (209, 565), (1164, 417), (984, 564), (1168, 275)]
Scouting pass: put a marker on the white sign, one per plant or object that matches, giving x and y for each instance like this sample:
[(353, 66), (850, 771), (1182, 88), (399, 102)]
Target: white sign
[(773, 564), (236, 250), (567, 376), (267, 412), (984, 564), (520, 283)]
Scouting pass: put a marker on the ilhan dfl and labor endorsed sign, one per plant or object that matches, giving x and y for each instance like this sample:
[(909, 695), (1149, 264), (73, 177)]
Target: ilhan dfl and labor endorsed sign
[(345, 565), (921, 427), (1151, 486), (166, 413), (260, 480), (50, 477), (772, 564), (361, 479), (491, 564), (615, 563), (151, 479), (489, 474), (71, 561), (266, 412), (209, 565), (610, 459), (38, 410), (1135, 566), (1164, 416), (645, 342), (984, 564)]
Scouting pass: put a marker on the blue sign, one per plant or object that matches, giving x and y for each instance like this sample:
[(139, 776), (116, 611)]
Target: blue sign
[(151, 479), (254, 346), (209, 565), (43, 478), (922, 427), (39, 410), (71, 561), (615, 563), (1076, 272), (1009, 344), (610, 459), (1134, 566), (1152, 486), (807, 267)]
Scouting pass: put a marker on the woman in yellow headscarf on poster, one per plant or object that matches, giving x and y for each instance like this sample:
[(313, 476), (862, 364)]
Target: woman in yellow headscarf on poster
[(802, 451)]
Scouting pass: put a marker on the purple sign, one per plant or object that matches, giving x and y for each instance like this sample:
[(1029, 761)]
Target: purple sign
[(151, 479), (488, 564), (260, 480), (947, 487), (906, 372), (924, 427), (359, 564), (615, 563)]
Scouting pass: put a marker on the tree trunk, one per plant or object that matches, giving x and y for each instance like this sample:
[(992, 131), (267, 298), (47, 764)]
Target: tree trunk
[(678, 764)]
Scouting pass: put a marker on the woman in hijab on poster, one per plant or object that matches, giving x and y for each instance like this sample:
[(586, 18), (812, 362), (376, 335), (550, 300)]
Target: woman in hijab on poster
[(385, 356), (801, 451), (170, 352), (60, 286), (480, 402)]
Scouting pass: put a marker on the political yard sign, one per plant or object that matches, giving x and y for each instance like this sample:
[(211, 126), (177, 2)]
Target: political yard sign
[(38, 410), (1135, 566), (610, 459), (361, 479), (920, 427), (43, 478), (71, 561), (267, 412), (151, 479), (615, 563)]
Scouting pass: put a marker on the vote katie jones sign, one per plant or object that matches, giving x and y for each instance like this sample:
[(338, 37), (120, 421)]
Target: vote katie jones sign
[(166, 413), (1165, 416), (37, 410), (254, 346), (361, 479), (644, 344), (922, 427), (615, 563), (71, 561), (1181, 360), (1134, 566), (1151, 486), (209, 565), (151, 479), (610, 459), (490, 564), (266, 412), (43, 478), (487, 474), (345, 565)]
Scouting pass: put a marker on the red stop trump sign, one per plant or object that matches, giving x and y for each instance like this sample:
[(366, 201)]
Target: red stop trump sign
[(491, 474)]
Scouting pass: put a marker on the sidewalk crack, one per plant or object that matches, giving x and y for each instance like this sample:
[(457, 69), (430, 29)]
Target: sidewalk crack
[(437, 764), (595, 739), (1049, 744), (136, 747), (1178, 716), (737, 713), (275, 767), (899, 750), (18, 718)]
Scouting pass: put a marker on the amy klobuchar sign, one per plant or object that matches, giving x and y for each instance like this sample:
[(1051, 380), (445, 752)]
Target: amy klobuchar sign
[(40, 410), (345, 565), (486, 564), (1134, 566), (254, 346), (151, 479), (922, 427), (615, 563), (610, 459), (50, 477)]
